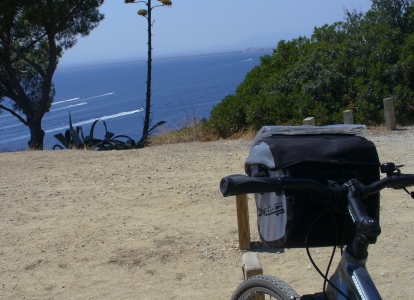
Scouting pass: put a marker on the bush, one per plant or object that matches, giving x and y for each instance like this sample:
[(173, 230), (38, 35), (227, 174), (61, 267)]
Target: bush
[(353, 64), (228, 117)]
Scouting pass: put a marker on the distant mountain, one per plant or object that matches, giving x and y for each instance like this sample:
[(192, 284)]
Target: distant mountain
[(254, 49), (266, 41), (260, 42)]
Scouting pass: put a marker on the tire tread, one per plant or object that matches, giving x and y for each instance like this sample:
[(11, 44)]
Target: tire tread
[(275, 284)]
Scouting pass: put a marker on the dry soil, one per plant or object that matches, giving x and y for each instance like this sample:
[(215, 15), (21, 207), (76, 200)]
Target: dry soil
[(152, 224)]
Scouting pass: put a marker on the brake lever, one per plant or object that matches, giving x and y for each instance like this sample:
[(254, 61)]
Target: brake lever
[(398, 171), (412, 193)]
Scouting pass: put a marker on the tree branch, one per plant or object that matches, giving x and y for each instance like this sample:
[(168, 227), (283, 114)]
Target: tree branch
[(15, 81), (14, 114), (33, 43), (156, 6), (44, 34), (69, 14), (5, 89), (73, 9), (29, 61)]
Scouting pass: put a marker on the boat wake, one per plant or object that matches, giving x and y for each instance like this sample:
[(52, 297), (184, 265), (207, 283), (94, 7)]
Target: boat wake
[(77, 98), (90, 121), (63, 101), (69, 106)]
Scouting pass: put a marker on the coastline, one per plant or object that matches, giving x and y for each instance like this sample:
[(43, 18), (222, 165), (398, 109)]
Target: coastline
[(132, 60)]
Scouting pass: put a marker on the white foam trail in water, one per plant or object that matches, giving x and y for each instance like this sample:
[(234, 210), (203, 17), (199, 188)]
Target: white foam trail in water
[(15, 139), (121, 114), (65, 107), (74, 99), (90, 121), (99, 96), (11, 126), (69, 106), (63, 101)]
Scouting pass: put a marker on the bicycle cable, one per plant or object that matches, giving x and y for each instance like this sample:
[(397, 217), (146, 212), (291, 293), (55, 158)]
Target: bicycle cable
[(333, 253), (343, 234), (330, 262)]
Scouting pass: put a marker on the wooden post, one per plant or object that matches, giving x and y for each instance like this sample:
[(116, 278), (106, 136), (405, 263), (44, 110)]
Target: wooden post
[(389, 113), (309, 121), (348, 119), (243, 222), (251, 267)]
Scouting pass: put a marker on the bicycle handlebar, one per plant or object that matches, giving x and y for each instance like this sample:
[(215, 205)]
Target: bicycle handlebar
[(367, 228), (241, 184), (394, 181)]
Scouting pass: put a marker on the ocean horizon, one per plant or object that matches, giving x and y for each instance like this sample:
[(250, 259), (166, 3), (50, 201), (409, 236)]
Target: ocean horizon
[(183, 88)]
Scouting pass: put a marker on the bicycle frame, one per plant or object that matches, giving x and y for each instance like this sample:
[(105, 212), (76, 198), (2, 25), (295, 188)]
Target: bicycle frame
[(352, 278)]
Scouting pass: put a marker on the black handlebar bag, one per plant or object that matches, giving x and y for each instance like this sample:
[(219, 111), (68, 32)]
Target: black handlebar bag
[(330, 155)]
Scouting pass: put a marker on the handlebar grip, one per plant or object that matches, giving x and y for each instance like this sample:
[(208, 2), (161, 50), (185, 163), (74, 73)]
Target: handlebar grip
[(394, 181), (241, 184)]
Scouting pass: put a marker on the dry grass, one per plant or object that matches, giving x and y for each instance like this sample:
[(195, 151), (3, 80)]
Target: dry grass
[(197, 132), (194, 132), (382, 130), (190, 132), (243, 134)]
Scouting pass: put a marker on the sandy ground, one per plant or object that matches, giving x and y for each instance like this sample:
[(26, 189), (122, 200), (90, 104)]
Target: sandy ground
[(152, 224)]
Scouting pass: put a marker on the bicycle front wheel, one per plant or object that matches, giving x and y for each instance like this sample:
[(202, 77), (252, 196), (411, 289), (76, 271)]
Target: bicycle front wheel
[(263, 287)]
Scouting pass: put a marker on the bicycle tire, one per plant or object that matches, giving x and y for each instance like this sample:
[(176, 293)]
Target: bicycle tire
[(264, 285)]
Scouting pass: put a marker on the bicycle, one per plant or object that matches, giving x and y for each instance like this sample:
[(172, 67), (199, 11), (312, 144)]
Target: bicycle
[(351, 279)]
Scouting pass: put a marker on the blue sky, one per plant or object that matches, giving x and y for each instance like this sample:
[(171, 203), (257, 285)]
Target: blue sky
[(204, 26)]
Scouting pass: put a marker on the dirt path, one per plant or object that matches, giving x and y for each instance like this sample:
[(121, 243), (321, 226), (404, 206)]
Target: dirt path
[(151, 224)]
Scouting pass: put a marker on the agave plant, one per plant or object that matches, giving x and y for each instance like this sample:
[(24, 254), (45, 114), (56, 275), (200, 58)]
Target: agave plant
[(74, 139)]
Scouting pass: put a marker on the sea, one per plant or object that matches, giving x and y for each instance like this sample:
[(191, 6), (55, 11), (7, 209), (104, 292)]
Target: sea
[(182, 89)]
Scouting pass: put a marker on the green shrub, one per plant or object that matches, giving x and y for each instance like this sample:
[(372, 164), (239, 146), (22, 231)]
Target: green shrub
[(228, 117), (353, 64)]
